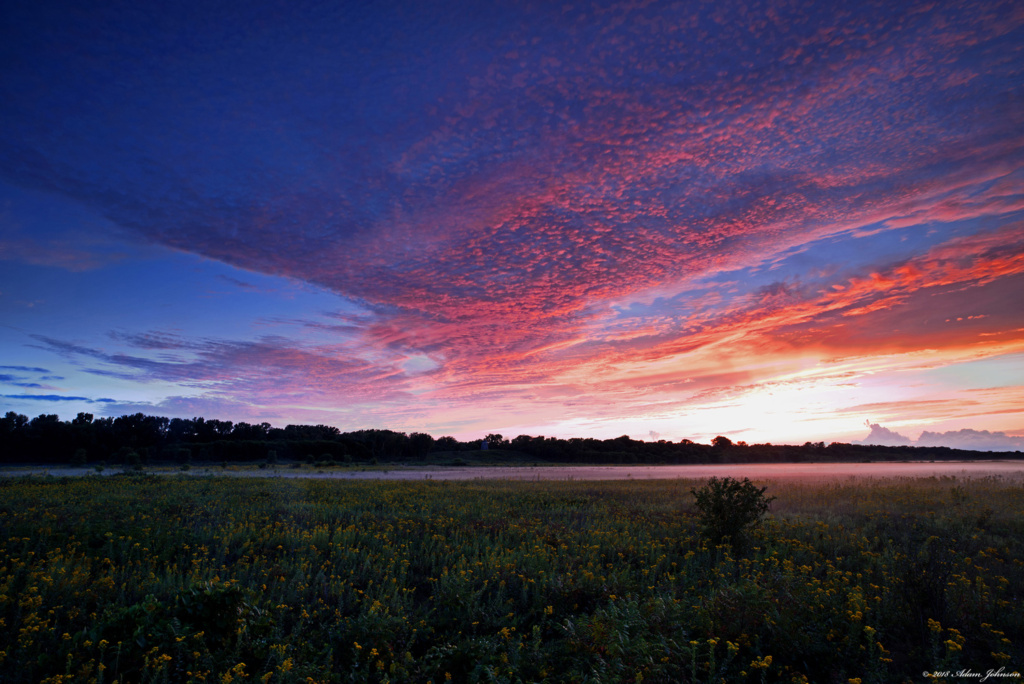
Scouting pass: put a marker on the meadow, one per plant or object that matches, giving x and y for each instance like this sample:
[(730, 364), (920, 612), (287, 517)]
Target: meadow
[(136, 578)]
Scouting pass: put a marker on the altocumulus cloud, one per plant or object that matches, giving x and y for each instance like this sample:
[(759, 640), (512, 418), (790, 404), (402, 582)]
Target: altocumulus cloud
[(500, 201), (556, 159)]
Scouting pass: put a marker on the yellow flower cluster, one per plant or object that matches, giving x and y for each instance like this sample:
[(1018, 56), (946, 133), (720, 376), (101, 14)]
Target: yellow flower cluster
[(189, 579)]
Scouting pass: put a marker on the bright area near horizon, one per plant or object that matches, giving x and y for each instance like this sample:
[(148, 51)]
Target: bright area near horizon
[(671, 221)]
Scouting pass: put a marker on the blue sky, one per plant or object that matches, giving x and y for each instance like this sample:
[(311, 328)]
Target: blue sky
[(773, 221)]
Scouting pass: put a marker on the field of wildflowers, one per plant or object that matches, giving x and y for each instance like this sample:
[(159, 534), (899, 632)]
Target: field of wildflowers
[(186, 579)]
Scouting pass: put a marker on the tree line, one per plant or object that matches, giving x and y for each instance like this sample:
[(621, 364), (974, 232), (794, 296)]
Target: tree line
[(139, 439)]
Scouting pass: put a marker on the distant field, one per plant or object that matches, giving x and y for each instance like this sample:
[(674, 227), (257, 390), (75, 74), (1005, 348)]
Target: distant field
[(460, 470), (193, 579)]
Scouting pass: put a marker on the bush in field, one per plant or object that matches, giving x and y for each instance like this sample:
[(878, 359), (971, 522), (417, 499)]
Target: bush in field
[(145, 578), (729, 507)]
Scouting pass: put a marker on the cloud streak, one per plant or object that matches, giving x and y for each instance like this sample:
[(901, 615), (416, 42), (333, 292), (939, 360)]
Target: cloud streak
[(53, 398)]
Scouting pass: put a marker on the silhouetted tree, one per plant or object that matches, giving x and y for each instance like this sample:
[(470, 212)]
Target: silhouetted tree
[(446, 443), (46, 439), (420, 443), (496, 441)]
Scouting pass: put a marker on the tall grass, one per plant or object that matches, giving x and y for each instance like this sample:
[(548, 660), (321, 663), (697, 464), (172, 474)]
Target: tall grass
[(168, 579)]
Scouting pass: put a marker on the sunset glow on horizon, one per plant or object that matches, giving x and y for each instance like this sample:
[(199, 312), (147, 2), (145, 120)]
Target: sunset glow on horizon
[(781, 222)]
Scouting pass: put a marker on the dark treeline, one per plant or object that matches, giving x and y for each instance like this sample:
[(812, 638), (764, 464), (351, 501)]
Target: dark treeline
[(140, 439)]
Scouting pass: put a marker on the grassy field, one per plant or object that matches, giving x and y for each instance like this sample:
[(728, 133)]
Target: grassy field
[(199, 579)]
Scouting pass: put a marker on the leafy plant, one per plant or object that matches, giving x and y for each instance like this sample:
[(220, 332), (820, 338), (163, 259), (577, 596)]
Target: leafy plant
[(729, 507), (152, 579)]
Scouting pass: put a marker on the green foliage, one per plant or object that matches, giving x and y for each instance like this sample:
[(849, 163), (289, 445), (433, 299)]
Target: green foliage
[(128, 457), (729, 508), (207, 579), (219, 612)]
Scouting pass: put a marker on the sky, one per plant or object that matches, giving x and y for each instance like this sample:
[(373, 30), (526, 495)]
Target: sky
[(776, 221)]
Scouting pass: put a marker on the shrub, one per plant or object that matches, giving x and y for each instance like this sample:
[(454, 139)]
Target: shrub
[(729, 507), (128, 456)]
